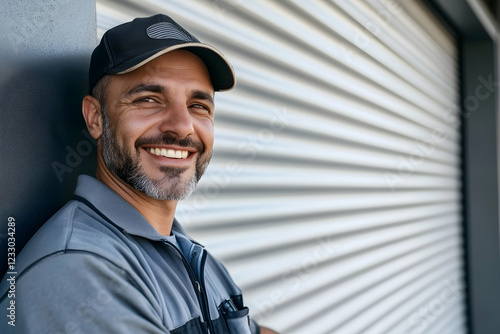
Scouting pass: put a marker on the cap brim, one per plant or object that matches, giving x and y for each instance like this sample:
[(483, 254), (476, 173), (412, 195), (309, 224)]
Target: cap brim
[(220, 70)]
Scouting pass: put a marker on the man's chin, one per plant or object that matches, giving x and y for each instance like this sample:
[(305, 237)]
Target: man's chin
[(167, 189)]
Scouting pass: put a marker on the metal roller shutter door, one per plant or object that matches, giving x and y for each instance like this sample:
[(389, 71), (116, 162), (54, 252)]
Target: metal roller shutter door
[(334, 193)]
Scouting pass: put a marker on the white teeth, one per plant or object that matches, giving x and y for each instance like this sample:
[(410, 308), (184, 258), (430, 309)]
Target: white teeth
[(169, 153)]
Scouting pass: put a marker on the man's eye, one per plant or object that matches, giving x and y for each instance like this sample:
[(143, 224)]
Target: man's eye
[(200, 106), (145, 99)]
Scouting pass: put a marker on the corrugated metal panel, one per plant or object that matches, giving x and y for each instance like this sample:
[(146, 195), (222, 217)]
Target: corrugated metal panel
[(334, 193)]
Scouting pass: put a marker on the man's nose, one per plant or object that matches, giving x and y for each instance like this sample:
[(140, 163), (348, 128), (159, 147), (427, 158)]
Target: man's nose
[(177, 120)]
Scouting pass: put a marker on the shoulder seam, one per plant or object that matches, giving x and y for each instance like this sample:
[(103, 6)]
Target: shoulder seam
[(70, 233)]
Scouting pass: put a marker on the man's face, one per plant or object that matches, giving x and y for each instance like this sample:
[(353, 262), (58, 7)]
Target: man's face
[(158, 125)]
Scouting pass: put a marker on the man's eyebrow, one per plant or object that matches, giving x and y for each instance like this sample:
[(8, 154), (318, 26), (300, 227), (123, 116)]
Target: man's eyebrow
[(145, 88), (201, 95)]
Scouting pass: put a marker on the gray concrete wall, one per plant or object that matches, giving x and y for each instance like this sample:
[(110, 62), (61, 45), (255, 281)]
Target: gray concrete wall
[(44, 56)]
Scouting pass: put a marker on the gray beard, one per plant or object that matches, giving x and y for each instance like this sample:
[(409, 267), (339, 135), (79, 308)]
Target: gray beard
[(124, 166)]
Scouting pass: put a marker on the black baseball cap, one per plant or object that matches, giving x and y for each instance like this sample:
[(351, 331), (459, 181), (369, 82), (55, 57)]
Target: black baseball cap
[(130, 45)]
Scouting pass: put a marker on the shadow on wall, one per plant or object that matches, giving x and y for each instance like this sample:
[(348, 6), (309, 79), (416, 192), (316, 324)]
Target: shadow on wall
[(44, 144)]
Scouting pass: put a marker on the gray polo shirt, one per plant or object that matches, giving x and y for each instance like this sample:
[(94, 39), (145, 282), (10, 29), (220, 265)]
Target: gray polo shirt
[(97, 266)]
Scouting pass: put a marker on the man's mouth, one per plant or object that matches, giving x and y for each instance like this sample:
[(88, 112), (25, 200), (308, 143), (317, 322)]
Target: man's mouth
[(174, 154)]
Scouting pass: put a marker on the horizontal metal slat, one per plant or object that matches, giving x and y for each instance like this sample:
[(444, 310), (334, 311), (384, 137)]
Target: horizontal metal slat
[(260, 112), (361, 38), (338, 296), (368, 306), (404, 46), (218, 213), (353, 250)]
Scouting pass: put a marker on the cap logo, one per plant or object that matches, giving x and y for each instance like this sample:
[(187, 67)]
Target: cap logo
[(167, 30)]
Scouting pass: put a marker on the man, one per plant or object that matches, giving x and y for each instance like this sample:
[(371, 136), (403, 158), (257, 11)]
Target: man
[(114, 259)]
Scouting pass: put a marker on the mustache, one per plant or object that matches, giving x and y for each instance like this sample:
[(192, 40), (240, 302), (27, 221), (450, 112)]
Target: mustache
[(168, 139)]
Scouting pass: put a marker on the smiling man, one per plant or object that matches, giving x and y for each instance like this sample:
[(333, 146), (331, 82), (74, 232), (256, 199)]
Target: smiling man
[(114, 259), (156, 125)]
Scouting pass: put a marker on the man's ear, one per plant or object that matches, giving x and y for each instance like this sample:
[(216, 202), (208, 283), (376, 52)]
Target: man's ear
[(91, 109)]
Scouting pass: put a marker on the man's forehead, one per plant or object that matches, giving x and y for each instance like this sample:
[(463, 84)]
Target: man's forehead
[(130, 85), (130, 89)]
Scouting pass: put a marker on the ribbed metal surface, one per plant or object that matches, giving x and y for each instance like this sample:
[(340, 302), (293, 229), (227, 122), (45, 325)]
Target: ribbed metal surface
[(334, 193)]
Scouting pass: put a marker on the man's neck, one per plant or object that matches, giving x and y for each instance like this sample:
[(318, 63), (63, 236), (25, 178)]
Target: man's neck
[(160, 214)]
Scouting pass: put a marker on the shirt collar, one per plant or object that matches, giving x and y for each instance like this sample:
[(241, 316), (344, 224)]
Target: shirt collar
[(118, 210)]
